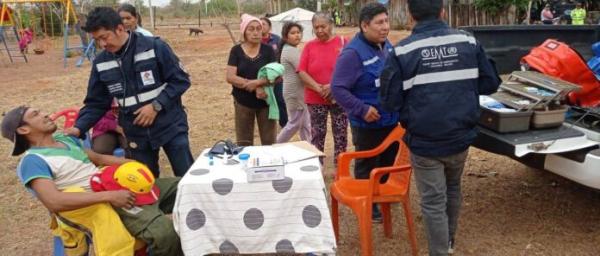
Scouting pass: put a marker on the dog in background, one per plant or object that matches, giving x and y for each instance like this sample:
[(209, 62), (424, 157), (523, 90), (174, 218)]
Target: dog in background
[(196, 31)]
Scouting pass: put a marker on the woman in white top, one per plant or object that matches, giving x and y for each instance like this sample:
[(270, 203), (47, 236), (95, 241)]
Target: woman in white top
[(132, 20), (293, 89)]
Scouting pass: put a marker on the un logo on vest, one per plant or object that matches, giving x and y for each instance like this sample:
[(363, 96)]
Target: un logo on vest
[(425, 53), (452, 50)]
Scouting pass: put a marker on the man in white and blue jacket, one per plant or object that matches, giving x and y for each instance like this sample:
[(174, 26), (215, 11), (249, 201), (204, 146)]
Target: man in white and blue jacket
[(147, 80), (355, 87), (434, 79)]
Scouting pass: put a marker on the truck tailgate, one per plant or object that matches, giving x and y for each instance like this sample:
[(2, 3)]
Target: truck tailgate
[(546, 141)]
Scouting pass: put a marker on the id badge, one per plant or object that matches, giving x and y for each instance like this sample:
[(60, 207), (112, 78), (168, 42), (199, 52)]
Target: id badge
[(147, 77)]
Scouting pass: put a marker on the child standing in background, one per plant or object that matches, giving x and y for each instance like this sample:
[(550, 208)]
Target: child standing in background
[(293, 89)]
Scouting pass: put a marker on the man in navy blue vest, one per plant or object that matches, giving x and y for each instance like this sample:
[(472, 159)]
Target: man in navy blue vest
[(355, 87), (434, 79), (147, 80)]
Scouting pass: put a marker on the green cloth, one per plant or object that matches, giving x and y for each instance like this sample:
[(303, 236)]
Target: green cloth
[(271, 72)]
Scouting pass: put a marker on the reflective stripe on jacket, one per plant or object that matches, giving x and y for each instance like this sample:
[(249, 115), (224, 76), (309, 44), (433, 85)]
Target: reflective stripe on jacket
[(146, 70), (434, 80)]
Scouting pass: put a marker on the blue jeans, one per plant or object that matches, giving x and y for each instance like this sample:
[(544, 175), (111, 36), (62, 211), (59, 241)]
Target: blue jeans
[(438, 181), (177, 150)]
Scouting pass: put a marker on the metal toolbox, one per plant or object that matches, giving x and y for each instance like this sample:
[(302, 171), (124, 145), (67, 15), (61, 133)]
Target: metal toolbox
[(549, 118), (536, 93), (560, 87), (505, 122), (514, 100)]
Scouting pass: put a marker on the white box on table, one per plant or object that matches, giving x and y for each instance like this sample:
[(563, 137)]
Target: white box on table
[(265, 169)]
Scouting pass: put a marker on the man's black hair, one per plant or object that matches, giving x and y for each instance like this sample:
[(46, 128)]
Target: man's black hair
[(425, 9), (369, 11), (102, 17)]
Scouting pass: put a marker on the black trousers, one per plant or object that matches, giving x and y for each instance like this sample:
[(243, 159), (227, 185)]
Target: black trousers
[(283, 117), (369, 138)]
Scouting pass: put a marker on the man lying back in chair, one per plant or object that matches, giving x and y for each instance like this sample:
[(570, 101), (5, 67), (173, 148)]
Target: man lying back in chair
[(57, 169)]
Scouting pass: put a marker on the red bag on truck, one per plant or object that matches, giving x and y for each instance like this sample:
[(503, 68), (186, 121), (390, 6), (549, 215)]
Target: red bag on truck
[(557, 59)]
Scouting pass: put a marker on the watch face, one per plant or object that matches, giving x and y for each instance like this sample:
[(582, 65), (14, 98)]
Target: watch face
[(156, 106)]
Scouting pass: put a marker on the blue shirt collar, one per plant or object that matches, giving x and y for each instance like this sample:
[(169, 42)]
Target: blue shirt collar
[(375, 46), (427, 25)]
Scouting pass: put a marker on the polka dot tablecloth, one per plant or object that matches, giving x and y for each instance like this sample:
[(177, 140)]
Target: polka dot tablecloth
[(218, 211)]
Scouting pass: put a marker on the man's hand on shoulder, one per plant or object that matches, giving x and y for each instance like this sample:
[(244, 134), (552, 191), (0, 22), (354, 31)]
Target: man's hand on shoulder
[(145, 115)]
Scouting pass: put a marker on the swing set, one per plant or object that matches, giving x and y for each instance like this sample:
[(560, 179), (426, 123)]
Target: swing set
[(69, 17)]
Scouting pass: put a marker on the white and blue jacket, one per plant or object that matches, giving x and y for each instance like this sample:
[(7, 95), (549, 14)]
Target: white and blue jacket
[(145, 70), (434, 79)]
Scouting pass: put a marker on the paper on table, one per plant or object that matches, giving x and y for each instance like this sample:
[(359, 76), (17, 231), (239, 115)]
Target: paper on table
[(303, 145), (293, 153)]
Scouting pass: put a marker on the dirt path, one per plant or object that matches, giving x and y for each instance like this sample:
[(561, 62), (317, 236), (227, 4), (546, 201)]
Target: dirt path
[(508, 209)]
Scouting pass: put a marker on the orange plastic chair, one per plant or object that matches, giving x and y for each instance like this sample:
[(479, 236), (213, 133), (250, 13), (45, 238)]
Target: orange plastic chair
[(360, 194), (70, 115)]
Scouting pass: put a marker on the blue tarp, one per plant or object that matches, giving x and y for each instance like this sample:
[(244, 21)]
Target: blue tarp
[(594, 62)]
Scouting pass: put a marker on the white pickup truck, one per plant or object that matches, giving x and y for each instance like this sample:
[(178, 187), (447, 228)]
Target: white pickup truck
[(528, 121), (571, 151)]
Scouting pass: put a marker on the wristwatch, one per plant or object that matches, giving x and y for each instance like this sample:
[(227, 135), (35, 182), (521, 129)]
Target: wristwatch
[(156, 105)]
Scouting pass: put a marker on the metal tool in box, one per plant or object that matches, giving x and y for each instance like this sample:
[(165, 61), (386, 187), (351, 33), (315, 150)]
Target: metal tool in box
[(537, 99), (546, 90), (545, 81)]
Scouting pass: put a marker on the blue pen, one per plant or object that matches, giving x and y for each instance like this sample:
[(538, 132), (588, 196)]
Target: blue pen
[(210, 160)]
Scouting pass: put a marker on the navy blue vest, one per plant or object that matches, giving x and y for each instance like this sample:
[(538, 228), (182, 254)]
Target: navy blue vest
[(367, 85), (135, 80)]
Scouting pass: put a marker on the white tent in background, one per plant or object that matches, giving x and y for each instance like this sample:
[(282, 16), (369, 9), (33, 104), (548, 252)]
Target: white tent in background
[(299, 15)]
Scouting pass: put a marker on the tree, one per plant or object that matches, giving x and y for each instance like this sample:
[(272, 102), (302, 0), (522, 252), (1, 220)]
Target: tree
[(257, 7), (308, 4), (503, 11), (329, 4), (141, 9), (175, 8), (495, 7), (223, 7)]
